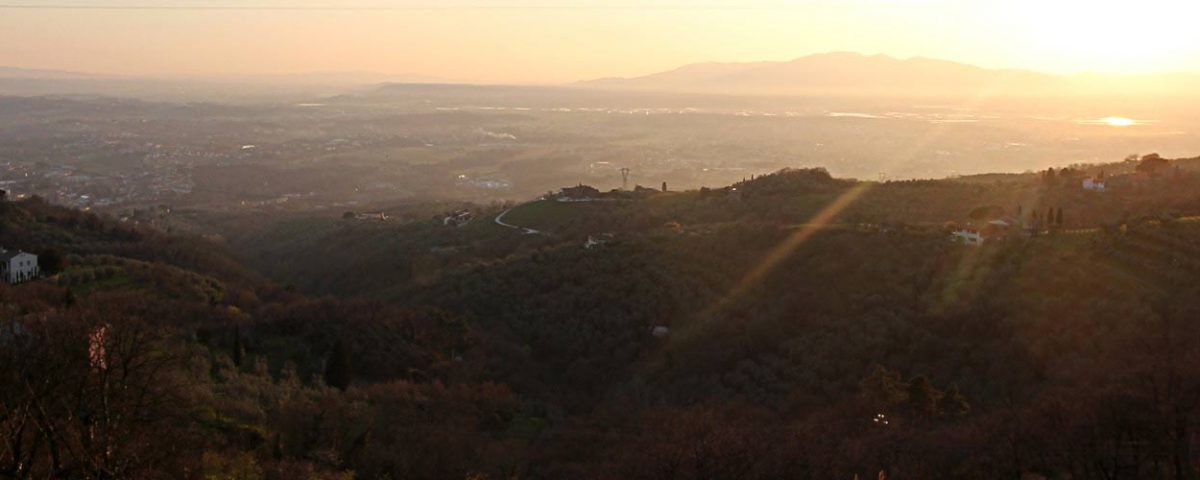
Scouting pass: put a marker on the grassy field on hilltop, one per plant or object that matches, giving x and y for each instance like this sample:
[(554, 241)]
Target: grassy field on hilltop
[(547, 215)]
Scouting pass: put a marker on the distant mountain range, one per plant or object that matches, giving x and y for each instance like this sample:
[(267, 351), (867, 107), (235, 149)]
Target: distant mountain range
[(829, 74), (26, 73), (325, 78), (35, 82), (853, 73)]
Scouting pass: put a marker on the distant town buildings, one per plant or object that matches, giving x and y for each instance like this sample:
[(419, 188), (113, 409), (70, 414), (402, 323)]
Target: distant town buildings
[(17, 266), (483, 183)]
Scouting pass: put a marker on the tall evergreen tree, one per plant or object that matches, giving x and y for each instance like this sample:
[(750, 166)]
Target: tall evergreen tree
[(51, 261), (338, 370), (883, 388), (1058, 217), (922, 397), (239, 352), (953, 403)]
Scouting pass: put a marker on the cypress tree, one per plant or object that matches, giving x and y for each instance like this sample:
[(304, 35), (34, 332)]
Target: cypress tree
[(1058, 217), (953, 403), (922, 397), (883, 388), (238, 351), (338, 370)]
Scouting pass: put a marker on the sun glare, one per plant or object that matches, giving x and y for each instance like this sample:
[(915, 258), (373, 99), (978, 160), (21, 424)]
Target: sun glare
[(1118, 121), (1105, 36)]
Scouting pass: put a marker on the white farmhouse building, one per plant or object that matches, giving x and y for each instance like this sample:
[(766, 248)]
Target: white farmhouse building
[(17, 266), (1095, 185), (967, 237)]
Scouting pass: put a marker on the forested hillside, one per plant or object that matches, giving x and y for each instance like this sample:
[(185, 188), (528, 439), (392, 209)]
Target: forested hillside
[(793, 325), (145, 355)]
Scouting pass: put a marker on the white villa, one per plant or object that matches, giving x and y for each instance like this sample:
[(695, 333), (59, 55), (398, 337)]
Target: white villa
[(17, 266), (1095, 185), (598, 240), (967, 237)]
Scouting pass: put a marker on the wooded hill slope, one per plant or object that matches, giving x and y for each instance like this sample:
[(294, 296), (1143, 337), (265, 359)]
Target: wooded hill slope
[(797, 344)]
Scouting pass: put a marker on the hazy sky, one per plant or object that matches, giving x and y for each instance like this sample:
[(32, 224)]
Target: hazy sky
[(566, 40)]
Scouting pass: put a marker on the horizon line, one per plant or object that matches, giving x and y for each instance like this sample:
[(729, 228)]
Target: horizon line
[(435, 79), (530, 6)]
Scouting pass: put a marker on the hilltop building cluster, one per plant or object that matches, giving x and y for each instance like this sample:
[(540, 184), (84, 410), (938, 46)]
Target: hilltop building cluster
[(588, 193), (458, 218), (991, 224)]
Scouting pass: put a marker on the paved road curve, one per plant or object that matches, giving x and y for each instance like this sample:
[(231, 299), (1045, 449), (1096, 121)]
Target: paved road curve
[(500, 222)]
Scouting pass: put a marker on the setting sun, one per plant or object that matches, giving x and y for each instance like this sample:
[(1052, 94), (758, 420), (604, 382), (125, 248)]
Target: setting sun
[(1114, 37), (1118, 121)]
